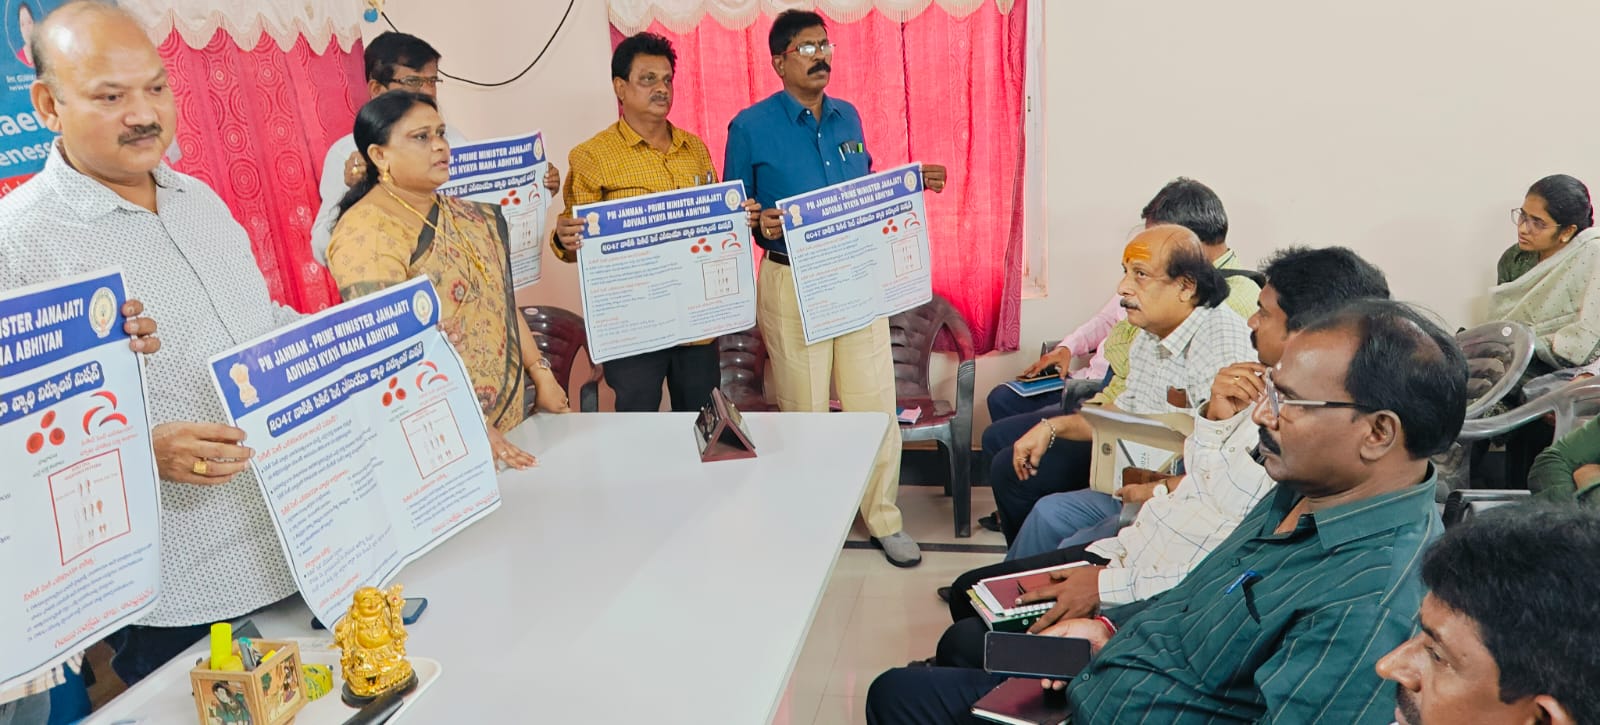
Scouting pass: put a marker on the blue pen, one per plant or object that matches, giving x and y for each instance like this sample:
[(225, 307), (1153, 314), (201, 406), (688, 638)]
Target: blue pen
[(1245, 578)]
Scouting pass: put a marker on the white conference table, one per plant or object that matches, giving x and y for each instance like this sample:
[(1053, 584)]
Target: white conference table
[(622, 580)]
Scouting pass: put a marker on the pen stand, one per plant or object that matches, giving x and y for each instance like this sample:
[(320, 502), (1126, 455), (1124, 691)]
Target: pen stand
[(271, 694)]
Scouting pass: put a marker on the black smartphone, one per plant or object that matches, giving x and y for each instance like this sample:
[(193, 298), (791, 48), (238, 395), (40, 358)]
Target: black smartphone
[(1049, 371), (1032, 655), (408, 615)]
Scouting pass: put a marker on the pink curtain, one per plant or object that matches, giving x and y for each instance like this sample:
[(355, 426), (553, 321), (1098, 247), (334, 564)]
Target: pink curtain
[(936, 89), (254, 125)]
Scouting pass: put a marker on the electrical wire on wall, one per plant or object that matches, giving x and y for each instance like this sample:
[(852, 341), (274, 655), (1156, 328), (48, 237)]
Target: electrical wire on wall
[(513, 79)]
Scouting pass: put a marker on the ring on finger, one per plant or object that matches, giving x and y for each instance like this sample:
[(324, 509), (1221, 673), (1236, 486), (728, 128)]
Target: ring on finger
[(201, 467)]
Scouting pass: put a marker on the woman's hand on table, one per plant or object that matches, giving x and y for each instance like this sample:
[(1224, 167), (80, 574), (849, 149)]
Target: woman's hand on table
[(507, 453)]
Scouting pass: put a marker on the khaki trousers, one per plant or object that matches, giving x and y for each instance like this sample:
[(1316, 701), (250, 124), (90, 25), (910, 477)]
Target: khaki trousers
[(859, 362)]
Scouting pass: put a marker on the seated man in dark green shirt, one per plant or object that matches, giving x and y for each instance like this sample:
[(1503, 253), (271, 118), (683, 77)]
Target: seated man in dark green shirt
[(1285, 620), (1570, 468)]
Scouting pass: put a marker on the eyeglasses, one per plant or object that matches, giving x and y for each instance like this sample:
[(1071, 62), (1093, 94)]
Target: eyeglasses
[(1275, 400), (419, 82), (1520, 217), (812, 50)]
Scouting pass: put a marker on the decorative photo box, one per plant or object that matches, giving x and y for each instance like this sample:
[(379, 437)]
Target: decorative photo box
[(271, 694)]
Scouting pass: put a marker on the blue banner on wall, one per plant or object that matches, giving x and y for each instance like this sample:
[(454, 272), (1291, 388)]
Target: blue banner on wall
[(24, 141)]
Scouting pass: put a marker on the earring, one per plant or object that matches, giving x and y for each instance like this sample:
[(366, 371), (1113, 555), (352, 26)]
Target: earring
[(383, 176)]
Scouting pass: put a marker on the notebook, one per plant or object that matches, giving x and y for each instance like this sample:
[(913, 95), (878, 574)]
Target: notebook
[(908, 416), (1030, 388), (1022, 701), (1018, 623), (999, 593)]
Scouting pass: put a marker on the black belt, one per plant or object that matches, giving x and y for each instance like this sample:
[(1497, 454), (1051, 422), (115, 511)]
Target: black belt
[(778, 257)]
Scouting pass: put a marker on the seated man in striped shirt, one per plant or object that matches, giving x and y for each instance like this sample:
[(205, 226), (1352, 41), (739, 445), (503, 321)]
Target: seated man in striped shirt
[(1285, 620), (1183, 518)]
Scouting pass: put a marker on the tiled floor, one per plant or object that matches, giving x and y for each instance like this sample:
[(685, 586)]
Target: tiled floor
[(874, 616)]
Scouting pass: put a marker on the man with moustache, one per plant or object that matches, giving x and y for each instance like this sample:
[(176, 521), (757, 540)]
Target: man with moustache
[(798, 140), (643, 153), (104, 199), (1183, 517), (1285, 619), (1175, 296), (1508, 632)]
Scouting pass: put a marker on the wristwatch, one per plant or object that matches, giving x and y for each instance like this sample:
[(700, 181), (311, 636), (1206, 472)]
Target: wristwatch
[(543, 363)]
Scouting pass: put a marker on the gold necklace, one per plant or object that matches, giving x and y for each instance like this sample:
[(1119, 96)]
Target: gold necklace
[(449, 219)]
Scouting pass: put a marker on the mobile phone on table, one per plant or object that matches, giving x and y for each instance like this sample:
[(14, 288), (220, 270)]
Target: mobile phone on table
[(408, 614), (1034, 655), (1049, 371)]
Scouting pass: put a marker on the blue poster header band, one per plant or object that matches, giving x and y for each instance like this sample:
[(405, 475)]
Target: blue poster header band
[(662, 237), (42, 327), (277, 367), (637, 213), (493, 157), (845, 225), (852, 196)]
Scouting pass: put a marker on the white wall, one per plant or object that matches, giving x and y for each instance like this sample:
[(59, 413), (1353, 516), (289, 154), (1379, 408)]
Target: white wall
[(1405, 130)]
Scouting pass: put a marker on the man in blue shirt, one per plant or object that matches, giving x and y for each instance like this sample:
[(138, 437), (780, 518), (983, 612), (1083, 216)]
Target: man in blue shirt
[(796, 141)]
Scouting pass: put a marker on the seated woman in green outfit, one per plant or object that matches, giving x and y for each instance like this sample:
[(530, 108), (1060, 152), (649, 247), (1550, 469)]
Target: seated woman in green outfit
[(394, 225), (1570, 469)]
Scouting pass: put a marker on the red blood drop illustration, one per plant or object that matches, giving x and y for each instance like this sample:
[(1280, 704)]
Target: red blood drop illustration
[(57, 437), (387, 399), (49, 420), (35, 442), (401, 394)]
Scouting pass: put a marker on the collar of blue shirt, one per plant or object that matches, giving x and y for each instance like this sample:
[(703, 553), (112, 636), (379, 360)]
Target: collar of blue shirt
[(797, 112), (1358, 519), (90, 198)]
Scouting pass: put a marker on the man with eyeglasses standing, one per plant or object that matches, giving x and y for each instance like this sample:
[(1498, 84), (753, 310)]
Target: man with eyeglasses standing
[(395, 62), (799, 140), (643, 153)]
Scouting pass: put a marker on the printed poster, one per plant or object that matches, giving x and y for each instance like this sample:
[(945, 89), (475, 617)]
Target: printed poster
[(80, 505), (664, 269), (508, 173), (370, 447), (858, 251)]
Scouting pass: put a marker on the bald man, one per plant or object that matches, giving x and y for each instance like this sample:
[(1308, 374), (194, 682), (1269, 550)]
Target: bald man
[(104, 199), (1174, 295)]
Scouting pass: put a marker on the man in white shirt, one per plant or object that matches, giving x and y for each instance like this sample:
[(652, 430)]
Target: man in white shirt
[(1176, 298), (104, 199), (1183, 518), (395, 62)]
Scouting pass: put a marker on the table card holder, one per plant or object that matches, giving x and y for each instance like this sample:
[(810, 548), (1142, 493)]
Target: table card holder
[(720, 432)]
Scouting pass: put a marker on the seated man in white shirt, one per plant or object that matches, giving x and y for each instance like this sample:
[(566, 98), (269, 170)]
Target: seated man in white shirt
[(1176, 529), (395, 61), (1176, 299)]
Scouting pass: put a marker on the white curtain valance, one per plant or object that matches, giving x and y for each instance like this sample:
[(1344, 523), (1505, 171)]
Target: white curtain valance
[(681, 16), (285, 21)]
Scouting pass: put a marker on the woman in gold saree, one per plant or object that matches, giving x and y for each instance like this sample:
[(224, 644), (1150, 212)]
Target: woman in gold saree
[(394, 225)]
